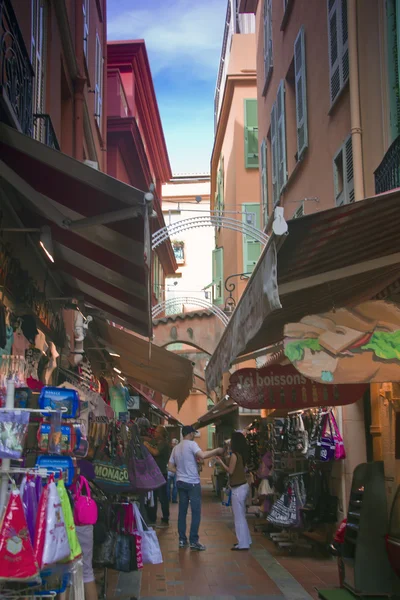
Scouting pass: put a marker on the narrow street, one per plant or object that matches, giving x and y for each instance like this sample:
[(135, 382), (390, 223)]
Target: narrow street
[(265, 572)]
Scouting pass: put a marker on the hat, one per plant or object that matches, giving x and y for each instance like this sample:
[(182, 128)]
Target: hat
[(188, 429)]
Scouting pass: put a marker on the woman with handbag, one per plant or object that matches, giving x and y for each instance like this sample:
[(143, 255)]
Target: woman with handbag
[(240, 488)]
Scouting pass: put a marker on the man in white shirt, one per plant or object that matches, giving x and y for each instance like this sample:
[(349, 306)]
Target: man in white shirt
[(183, 461)]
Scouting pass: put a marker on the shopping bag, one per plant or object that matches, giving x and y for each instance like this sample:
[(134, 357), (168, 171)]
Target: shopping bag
[(17, 559), (30, 503), (104, 554), (40, 528), (340, 452), (74, 544), (56, 545), (284, 511), (151, 552), (143, 470), (112, 475)]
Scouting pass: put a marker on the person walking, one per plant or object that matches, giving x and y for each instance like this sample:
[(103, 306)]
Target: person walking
[(184, 461), (239, 487), (160, 451), (171, 483)]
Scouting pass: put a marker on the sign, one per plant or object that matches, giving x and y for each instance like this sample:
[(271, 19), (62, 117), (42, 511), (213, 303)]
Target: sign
[(283, 387), (348, 345), (133, 403)]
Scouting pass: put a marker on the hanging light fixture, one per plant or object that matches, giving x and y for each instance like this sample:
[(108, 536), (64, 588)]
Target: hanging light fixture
[(46, 242)]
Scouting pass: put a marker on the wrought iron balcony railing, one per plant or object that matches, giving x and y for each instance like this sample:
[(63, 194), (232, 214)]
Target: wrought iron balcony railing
[(387, 175), (44, 131), (16, 73)]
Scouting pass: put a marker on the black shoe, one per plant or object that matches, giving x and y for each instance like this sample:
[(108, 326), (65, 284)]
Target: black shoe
[(183, 544)]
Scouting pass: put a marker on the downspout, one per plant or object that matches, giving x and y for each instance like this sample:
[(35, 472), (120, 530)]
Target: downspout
[(355, 111)]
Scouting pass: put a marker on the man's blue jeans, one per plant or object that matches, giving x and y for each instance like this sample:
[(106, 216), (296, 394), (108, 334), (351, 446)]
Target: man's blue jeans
[(172, 483), (189, 493)]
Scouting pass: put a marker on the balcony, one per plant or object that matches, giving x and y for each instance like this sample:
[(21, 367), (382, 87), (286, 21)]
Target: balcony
[(44, 131), (387, 175), (16, 73)]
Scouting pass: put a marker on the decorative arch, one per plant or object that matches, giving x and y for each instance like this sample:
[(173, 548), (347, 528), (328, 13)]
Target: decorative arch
[(214, 219), (158, 309)]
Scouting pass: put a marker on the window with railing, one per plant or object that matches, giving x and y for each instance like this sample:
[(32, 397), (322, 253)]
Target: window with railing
[(179, 251), (387, 175)]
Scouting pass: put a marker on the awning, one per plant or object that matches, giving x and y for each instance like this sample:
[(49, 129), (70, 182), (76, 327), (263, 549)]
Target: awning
[(159, 409), (100, 236), (223, 408), (142, 361), (333, 258)]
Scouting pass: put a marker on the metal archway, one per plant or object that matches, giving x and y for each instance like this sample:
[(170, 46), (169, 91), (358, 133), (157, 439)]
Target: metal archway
[(162, 306), (214, 219)]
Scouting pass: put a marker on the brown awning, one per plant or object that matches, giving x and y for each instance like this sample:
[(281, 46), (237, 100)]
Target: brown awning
[(142, 361), (338, 257), (224, 407)]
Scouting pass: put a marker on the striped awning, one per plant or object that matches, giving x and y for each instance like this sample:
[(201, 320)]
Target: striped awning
[(99, 226)]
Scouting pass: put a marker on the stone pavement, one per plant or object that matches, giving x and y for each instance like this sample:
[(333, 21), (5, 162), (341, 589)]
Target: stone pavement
[(264, 572)]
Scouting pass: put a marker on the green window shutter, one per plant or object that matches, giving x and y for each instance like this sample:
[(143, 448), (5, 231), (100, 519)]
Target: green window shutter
[(218, 275), (156, 273), (274, 148), (268, 52), (393, 55), (301, 93), (338, 46), (281, 134), (264, 180), (348, 169), (251, 247), (221, 185), (250, 134)]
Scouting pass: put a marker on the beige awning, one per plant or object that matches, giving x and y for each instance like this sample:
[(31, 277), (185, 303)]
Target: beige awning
[(225, 407), (332, 258), (154, 367)]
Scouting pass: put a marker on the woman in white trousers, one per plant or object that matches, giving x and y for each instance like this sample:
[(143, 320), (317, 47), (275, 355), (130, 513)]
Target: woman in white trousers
[(239, 487)]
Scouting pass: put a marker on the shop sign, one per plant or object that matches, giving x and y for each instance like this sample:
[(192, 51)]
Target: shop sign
[(347, 345), (283, 387)]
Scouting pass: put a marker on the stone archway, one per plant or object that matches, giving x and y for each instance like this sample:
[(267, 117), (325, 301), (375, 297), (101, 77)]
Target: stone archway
[(200, 329)]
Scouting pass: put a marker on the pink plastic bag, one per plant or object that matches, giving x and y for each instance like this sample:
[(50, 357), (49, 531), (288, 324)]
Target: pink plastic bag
[(40, 529)]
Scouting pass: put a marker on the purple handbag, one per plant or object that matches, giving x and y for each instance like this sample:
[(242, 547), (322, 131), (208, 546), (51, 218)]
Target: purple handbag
[(144, 473), (325, 451)]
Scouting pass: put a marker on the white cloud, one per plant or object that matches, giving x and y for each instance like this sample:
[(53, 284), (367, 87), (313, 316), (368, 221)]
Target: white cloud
[(179, 35)]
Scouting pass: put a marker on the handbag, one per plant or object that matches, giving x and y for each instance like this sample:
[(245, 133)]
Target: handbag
[(143, 470), (340, 452), (151, 552), (111, 471), (104, 554), (85, 508), (284, 511)]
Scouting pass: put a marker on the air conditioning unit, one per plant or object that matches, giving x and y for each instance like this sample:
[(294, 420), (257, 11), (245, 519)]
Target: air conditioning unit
[(92, 163)]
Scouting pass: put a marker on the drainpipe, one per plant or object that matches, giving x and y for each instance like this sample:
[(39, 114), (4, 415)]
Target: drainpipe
[(355, 111)]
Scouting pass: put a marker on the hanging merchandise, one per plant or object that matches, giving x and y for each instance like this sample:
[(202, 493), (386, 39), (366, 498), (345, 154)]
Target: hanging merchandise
[(125, 548), (13, 431), (340, 452), (40, 529), (85, 508), (73, 541), (56, 546), (62, 399), (151, 552), (111, 467), (30, 503), (17, 559), (143, 471), (286, 510)]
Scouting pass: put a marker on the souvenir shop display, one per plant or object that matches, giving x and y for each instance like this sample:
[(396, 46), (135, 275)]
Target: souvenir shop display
[(291, 458)]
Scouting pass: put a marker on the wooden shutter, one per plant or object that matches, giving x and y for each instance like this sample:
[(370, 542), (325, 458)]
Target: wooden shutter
[(251, 247), (281, 134), (38, 58), (98, 90), (85, 10), (338, 46), (221, 185), (264, 180), (268, 52), (348, 170), (301, 93), (250, 134), (275, 158), (218, 275)]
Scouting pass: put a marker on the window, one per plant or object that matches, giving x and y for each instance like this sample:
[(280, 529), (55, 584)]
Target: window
[(299, 212), (38, 59), (301, 94), (264, 181), (251, 247), (98, 88), (250, 134), (278, 144), (157, 277), (268, 54), (85, 10), (179, 251), (343, 174), (338, 46), (393, 49), (218, 275)]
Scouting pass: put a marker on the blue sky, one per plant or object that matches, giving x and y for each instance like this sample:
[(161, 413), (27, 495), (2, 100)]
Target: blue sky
[(183, 40)]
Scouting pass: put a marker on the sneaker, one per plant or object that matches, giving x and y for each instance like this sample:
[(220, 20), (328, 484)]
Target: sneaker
[(197, 547), (163, 525), (183, 544)]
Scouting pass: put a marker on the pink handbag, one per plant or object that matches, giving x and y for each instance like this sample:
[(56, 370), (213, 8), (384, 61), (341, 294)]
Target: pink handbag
[(85, 508), (340, 452)]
